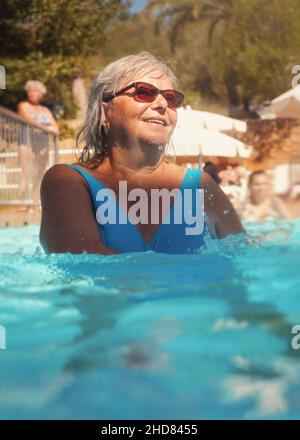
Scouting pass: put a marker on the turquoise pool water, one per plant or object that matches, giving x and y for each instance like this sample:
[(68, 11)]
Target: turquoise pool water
[(151, 335)]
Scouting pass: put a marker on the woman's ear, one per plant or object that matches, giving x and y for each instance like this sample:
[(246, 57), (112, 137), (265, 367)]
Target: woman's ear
[(104, 117), (104, 111), (105, 107)]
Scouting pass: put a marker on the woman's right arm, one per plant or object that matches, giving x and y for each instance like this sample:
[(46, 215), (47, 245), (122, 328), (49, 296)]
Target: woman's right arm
[(68, 221), (222, 218)]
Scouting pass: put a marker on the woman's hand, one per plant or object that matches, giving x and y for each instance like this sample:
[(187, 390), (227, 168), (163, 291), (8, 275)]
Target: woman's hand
[(53, 130)]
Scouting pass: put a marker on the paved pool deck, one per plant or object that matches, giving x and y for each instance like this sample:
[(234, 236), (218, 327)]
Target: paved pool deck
[(17, 216)]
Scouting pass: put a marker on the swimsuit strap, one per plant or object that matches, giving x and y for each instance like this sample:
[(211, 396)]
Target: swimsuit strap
[(192, 179), (94, 184)]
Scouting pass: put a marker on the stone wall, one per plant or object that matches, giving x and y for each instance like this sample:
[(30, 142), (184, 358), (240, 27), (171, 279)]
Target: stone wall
[(274, 141)]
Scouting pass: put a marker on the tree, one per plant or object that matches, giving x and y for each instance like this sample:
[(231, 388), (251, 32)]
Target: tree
[(251, 45), (64, 27), (134, 34), (50, 40), (180, 13)]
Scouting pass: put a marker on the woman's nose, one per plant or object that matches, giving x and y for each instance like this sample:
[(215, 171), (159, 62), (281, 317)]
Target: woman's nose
[(160, 101)]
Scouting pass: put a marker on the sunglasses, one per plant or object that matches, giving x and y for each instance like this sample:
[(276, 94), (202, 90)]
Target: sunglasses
[(145, 92)]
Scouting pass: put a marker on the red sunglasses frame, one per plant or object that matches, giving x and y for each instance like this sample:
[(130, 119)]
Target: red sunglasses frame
[(178, 96)]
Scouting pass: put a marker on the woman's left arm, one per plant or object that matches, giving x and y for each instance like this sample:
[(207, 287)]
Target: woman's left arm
[(221, 216)]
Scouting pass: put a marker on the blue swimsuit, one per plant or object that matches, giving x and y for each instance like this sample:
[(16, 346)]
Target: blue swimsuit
[(167, 238)]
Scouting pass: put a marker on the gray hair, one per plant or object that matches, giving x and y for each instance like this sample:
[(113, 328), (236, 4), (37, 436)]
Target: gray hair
[(112, 78), (38, 85)]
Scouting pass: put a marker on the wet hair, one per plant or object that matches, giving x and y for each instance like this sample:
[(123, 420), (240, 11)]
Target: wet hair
[(112, 78), (256, 173), (211, 169), (38, 85)]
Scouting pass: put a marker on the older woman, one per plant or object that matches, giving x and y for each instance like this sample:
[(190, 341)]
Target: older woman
[(92, 205), (34, 161), (33, 111)]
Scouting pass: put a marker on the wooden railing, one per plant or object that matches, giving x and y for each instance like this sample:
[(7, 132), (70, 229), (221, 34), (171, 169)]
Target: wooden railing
[(26, 151)]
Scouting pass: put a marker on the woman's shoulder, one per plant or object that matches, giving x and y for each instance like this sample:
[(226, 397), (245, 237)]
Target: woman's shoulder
[(61, 184), (61, 172), (46, 109), (22, 105), (171, 167)]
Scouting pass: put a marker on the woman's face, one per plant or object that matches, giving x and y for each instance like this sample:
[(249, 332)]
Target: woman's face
[(260, 187), (146, 122), (34, 95)]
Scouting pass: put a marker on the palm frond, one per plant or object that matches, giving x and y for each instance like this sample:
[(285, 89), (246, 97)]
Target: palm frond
[(178, 25)]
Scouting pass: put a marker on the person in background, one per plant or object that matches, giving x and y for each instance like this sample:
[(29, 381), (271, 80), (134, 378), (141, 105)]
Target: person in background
[(261, 204), (231, 185), (33, 111), (34, 158), (211, 169)]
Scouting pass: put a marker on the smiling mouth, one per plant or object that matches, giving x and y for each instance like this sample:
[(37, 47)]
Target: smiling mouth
[(156, 121)]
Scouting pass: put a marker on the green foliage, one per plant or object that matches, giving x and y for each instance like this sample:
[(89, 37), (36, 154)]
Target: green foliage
[(222, 50), (198, 101), (250, 45), (65, 27), (55, 71), (134, 35), (66, 131), (51, 41), (257, 46)]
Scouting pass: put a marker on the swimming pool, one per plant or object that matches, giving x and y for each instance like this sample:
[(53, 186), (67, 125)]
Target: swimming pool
[(149, 335)]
